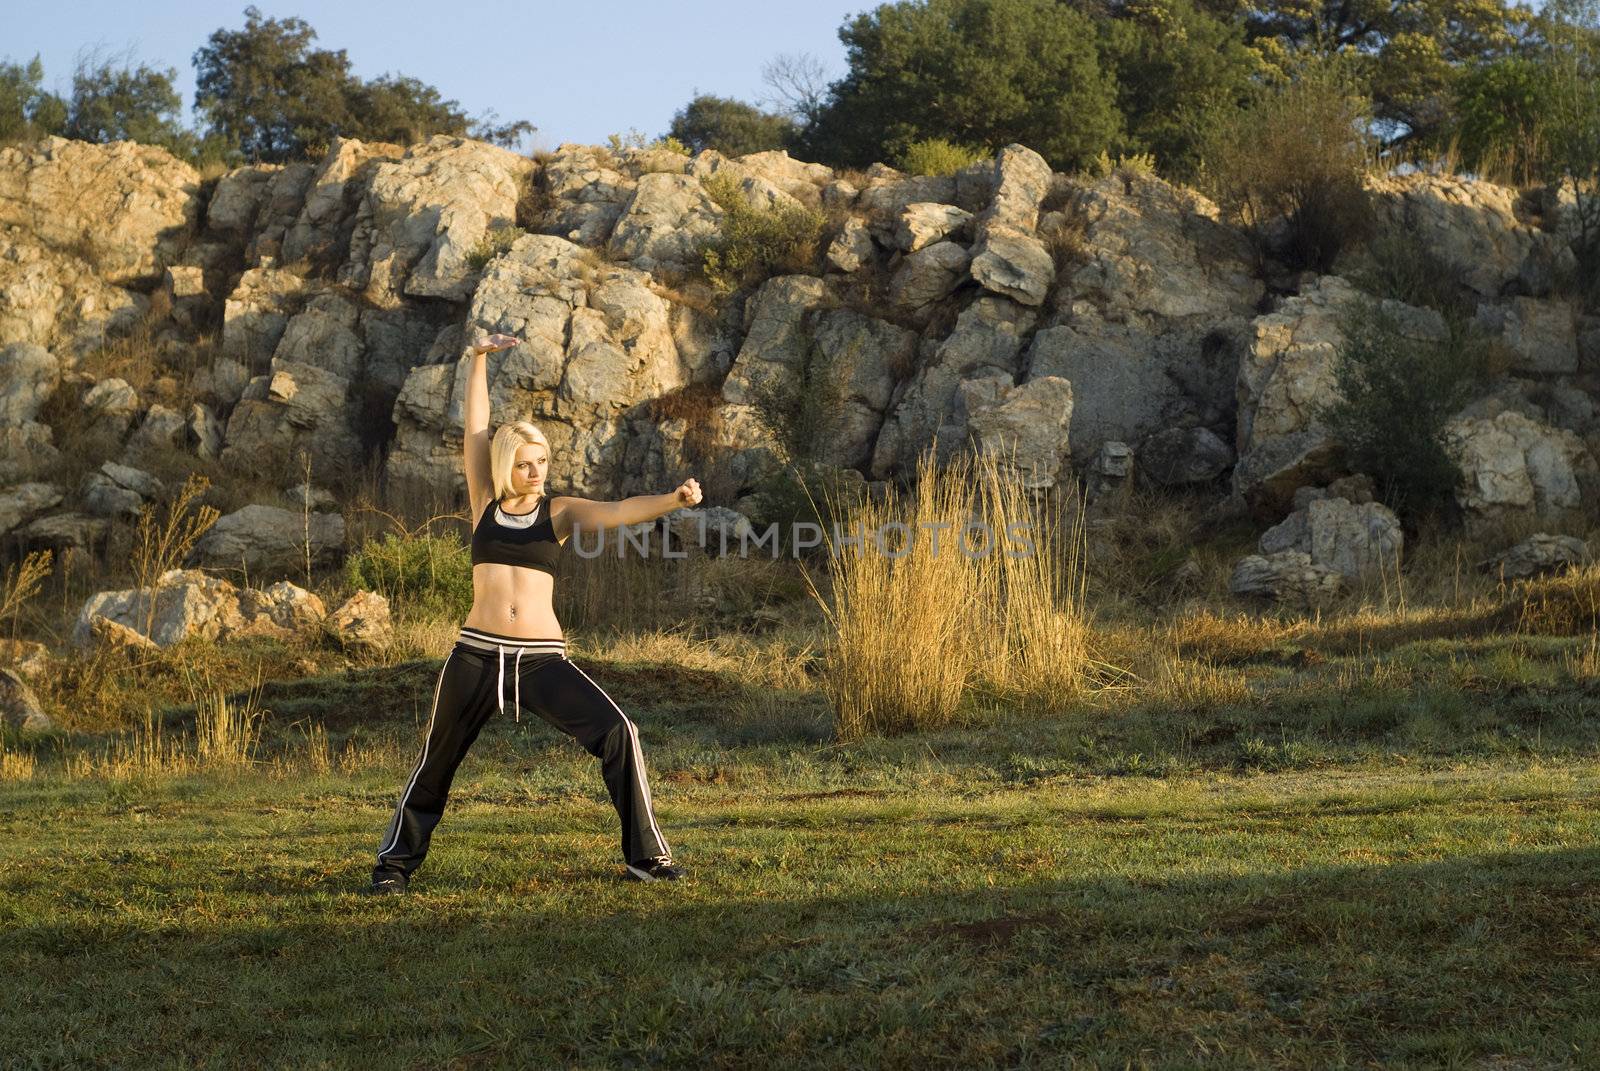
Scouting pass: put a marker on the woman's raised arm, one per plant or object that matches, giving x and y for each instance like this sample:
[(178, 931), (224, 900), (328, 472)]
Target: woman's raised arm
[(475, 437)]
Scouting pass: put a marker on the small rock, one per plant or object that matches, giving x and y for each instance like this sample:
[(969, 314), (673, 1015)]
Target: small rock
[(362, 621), (25, 501), (19, 707), (1288, 577), (1541, 554), (30, 660), (114, 635)]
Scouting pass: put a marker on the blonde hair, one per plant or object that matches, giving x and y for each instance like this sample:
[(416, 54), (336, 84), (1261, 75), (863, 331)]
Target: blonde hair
[(508, 439)]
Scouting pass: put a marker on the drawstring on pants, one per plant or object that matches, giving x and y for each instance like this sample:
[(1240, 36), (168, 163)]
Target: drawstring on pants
[(516, 683)]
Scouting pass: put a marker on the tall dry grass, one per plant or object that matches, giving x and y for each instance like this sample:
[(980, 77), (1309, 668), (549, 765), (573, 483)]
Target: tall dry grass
[(925, 619)]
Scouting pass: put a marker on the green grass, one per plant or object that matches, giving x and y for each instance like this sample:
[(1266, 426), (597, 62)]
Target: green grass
[(1386, 861)]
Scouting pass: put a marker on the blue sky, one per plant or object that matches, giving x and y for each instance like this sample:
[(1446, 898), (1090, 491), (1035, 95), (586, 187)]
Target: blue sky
[(578, 71)]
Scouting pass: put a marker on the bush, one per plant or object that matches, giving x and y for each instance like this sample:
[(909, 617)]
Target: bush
[(1298, 154), (635, 139), (755, 243), (421, 572), (936, 156), (1395, 393), (1400, 266), (730, 126), (1140, 163), (495, 241)]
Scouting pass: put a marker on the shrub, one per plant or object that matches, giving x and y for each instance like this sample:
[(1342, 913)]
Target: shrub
[(1297, 154), (730, 126), (496, 240), (755, 243), (1400, 266), (936, 156), (1140, 163), (423, 572), (1395, 393), (634, 139)]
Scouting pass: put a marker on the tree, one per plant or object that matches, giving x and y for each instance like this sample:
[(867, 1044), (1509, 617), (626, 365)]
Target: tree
[(1573, 160), (1175, 65), (263, 88), (797, 85), (116, 100), (729, 126), (1414, 49), (267, 90), (26, 110), (975, 72)]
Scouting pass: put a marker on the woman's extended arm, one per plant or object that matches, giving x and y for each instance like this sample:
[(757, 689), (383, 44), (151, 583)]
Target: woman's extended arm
[(475, 437), (568, 513)]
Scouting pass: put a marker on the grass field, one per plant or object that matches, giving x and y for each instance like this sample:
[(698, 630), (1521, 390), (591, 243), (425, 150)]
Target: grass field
[(1383, 858)]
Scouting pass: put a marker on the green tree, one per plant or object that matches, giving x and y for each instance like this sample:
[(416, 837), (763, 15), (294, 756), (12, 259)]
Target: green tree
[(730, 126), (1175, 65), (1573, 133), (267, 90), (264, 89), (26, 110), (1502, 110), (1414, 50), (1297, 154), (118, 100), (974, 72)]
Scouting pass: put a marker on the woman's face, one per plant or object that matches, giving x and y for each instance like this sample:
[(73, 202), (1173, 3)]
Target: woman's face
[(528, 469)]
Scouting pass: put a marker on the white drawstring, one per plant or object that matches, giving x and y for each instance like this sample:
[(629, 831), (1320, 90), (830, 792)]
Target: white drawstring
[(516, 683), (516, 671)]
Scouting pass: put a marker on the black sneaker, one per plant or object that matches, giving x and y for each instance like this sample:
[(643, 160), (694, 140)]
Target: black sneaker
[(387, 885), (653, 870)]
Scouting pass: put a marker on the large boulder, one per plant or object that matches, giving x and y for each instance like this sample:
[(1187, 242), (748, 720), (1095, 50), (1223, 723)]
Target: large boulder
[(269, 539), (587, 194), (1289, 577), (1356, 540), (1515, 466), (190, 602), (986, 343), (321, 232), (665, 221), (127, 209), (295, 407), (422, 215), (1176, 457), (1472, 227), (1024, 428), (1284, 377), (22, 502), (1541, 554), (1149, 320), (927, 277), (1542, 334), (1007, 256)]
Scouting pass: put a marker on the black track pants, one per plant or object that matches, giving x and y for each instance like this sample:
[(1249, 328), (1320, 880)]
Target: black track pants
[(470, 687)]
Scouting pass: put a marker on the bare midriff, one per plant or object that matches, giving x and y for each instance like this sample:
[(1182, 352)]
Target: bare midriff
[(513, 600)]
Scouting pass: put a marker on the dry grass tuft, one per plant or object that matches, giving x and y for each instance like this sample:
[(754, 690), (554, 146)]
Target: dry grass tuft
[(916, 631)]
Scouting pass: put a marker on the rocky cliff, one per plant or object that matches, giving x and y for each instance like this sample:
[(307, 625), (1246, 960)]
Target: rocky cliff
[(1004, 308)]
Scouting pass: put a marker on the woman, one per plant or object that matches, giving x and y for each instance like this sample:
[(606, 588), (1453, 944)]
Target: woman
[(516, 544)]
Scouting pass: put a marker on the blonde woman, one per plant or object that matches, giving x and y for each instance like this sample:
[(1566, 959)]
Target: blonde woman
[(512, 632)]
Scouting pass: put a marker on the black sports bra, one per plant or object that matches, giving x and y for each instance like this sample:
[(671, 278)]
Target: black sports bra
[(534, 546)]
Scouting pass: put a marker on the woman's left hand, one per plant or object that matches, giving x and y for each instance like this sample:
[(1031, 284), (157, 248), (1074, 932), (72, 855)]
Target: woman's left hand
[(689, 493)]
